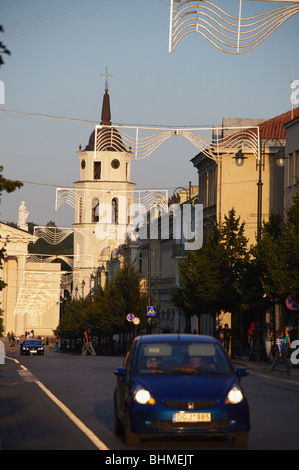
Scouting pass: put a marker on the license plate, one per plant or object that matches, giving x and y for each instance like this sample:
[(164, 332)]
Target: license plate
[(33, 352), (183, 417)]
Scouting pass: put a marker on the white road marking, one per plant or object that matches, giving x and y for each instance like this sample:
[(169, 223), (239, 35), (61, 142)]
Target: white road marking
[(27, 376)]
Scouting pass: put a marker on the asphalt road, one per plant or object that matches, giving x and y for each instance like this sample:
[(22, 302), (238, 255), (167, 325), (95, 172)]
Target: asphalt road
[(65, 402)]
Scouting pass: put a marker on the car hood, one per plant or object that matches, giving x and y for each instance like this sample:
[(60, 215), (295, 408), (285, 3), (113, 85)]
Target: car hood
[(189, 387)]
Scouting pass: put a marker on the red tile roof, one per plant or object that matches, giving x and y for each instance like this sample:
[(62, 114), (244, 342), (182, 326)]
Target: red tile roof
[(274, 128)]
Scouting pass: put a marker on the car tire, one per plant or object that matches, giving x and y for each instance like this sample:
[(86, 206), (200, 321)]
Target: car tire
[(130, 438), (241, 439), (117, 426)]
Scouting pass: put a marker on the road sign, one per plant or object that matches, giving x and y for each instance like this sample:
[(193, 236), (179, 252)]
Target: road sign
[(130, 317), (136, 321), (291, 303), (151, 311)]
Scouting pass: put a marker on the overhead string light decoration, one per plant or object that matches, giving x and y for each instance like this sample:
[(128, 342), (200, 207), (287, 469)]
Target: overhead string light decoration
[(230, 34), (141, 141)]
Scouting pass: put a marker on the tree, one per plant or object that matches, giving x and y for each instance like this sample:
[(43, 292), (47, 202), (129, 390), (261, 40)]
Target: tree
[(211, 278), (8, 185), (269, 259), (277, 254), (105, 313), (3, 49), (292, 247), (121, 296), (41, 246)]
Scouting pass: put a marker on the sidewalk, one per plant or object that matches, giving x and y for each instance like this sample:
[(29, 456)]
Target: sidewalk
[(279, 371)]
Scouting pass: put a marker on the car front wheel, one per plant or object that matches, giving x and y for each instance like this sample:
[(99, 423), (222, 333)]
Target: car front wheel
[(131, 438), (241, 439), (117, 426)]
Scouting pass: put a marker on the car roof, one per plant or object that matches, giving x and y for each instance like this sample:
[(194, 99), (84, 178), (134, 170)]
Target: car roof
[(166, 337)]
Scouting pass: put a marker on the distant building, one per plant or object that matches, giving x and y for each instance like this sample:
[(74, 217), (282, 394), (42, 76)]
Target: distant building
[(292, 162), (15, 242)]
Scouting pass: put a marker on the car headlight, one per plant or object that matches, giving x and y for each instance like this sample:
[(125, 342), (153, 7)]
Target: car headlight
[(143, 397), (234, 396)]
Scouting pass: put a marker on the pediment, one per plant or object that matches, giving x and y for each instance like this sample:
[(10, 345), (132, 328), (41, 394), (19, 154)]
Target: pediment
[(14, 234)]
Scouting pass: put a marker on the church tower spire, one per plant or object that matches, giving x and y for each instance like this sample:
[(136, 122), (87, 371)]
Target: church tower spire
[(106, 113)]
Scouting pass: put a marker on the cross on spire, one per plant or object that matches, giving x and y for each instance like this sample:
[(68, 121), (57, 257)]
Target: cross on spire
[(106, 75)]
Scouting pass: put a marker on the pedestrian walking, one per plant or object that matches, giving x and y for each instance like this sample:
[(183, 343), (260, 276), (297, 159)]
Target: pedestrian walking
[(280, 352), (287, 340), (250, 336), (12, 342), (226, 337), (268, 338), (220, 334), (87, 344)]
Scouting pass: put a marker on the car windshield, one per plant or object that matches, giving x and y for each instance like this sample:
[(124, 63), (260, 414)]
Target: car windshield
[(182, 358), (32, 342)]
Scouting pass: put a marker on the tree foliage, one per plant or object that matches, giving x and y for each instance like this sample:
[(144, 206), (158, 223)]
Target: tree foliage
[(3, 49), (277, 254), (211, 277), (106, 311), (225, 276)]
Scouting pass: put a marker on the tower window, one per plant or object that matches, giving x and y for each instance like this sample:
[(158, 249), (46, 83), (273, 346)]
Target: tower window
[(97, 170), (80, 210), (95, 210), (114, 211)]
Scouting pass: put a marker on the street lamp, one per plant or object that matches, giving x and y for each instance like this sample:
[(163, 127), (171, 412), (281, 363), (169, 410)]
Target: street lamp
[(239, 158)]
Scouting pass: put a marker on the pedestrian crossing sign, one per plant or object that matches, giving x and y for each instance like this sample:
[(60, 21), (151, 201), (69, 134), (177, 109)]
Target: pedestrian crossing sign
[(151, 311)]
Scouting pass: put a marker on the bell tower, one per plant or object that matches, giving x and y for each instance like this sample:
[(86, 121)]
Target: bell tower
[(103, 197)]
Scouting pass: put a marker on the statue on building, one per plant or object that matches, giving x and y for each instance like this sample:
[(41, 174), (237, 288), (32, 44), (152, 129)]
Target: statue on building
[(23, 214)]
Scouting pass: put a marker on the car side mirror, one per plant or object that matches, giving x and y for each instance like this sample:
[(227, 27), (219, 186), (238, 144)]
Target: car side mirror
[(242, 372), (121, 372)]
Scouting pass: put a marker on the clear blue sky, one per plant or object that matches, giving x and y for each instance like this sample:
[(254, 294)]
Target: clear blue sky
[(60, 50)]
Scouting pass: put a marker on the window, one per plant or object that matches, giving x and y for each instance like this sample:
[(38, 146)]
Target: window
[(95, 210), (80, 210), (114, 218), (140, 263), (97, 170)]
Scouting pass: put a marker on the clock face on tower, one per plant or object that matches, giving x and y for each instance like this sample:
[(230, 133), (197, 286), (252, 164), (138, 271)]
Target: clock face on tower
[(115, 163)]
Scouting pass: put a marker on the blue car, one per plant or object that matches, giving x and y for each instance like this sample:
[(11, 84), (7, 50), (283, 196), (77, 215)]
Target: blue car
[(173, 384)]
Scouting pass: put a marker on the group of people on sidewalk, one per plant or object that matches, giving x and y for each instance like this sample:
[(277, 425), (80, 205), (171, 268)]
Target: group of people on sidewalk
[(282, 347), (12, 339), (276, 349)]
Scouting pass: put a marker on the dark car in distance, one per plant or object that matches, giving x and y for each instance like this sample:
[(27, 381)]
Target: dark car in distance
[(32, 347), (179, 385)]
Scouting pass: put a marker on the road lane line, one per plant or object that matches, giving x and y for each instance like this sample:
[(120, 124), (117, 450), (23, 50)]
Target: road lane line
[(96, 441)]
